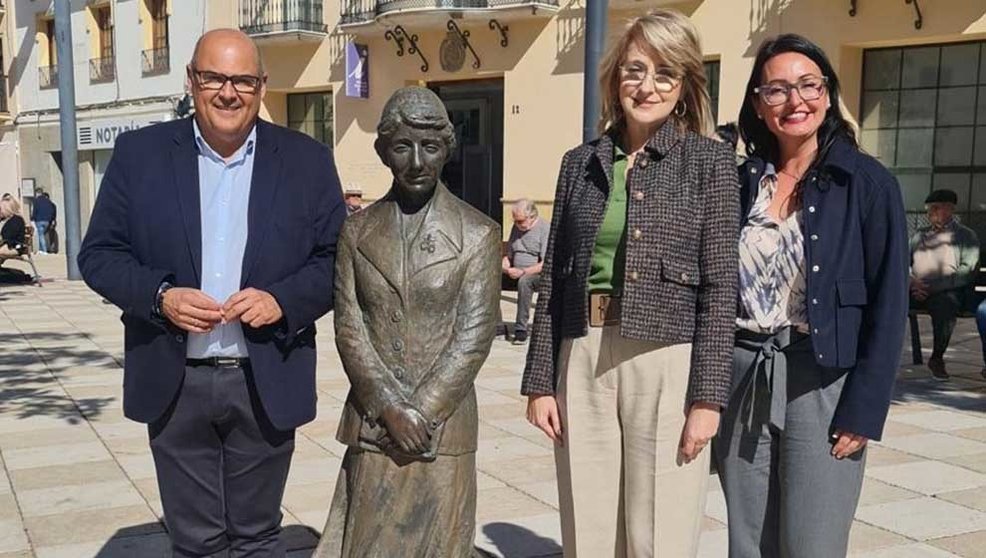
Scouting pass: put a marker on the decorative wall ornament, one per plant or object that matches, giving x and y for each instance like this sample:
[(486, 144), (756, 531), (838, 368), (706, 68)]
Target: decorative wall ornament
[(495, 25), (917, 10), (398, 34), (452, 53), (464, 36)]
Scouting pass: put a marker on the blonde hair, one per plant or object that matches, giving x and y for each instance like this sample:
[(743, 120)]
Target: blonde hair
[(11, 204), (672, 38)]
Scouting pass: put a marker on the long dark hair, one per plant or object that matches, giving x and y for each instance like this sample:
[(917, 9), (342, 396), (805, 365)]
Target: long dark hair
[(759, 140)]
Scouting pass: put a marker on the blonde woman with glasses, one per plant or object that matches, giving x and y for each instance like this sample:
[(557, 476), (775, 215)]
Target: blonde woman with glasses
[(631, 349)]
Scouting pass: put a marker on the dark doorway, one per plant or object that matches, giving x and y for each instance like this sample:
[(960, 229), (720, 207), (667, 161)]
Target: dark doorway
[(475, 170)]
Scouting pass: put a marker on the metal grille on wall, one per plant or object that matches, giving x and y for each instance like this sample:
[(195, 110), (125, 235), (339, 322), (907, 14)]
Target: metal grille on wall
[(275, 16), (359, 11), (924, 116)]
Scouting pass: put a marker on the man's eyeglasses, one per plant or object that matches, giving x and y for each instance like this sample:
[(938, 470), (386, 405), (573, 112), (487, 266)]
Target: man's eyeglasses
[(777, 93), (214, 81), (665, 80)]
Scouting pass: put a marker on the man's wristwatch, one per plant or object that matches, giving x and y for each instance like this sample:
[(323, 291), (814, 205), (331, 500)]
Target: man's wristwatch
[(159, 298)]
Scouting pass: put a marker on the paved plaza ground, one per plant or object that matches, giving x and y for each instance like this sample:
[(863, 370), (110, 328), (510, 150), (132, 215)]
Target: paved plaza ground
[(77, 480)]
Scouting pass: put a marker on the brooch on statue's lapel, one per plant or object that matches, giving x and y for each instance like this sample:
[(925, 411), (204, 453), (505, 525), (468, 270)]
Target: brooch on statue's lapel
[(428, 244)]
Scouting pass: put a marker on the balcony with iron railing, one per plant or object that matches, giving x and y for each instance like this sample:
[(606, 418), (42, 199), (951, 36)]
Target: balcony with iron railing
[(102, 69), (361, 12), (272, 19), (156, 61), (47, 77)]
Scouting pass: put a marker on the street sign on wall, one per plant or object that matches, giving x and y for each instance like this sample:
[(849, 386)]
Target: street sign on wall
[(101, 133)]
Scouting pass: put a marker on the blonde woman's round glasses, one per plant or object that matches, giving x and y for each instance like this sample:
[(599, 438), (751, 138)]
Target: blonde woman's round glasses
[(664, 79)]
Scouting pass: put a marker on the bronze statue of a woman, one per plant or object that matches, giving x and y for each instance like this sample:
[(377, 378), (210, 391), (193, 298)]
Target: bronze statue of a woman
[(416, 292)]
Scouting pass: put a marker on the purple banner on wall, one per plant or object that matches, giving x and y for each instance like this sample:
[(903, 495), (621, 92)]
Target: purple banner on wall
[(357, 71)]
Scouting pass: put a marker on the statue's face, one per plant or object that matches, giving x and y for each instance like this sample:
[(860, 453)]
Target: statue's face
[(416, 157)]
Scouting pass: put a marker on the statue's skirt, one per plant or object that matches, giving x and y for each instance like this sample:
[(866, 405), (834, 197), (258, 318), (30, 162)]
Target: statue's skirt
[(415, 509)]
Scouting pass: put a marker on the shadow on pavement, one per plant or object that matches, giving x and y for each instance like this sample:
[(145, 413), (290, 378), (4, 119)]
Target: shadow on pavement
[(514, 540), (959, 393), (28, 387), (150, 540)]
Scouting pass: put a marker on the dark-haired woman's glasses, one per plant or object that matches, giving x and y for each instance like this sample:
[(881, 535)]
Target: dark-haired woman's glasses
[(778, 93), (214, 81), (665, 80)]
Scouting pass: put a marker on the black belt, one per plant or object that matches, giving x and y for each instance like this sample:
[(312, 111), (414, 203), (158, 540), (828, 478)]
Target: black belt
[(219, 362)]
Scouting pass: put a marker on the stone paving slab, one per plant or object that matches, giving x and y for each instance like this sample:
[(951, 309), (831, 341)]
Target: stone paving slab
[(77, 480)]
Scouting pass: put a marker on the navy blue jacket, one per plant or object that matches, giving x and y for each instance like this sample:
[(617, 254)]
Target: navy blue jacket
[(146, 229), (43, 210), (857, 264)]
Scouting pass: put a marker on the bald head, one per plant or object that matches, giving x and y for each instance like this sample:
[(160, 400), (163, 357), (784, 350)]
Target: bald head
[(220, 40), (227, 82)]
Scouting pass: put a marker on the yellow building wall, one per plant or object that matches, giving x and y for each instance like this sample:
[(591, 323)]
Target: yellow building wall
[(542, 68)]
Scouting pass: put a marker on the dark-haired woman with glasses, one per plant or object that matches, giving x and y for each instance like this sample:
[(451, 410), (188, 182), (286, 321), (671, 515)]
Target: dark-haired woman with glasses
[(630, 352), (821, 311)]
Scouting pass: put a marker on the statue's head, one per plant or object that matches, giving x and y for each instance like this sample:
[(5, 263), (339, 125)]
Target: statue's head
[(415, 139)]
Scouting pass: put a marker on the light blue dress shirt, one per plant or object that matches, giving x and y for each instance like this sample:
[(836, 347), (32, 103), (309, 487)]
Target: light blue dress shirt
[(224, 201)]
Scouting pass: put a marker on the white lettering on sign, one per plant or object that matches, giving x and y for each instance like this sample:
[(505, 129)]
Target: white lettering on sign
[(102, 134)]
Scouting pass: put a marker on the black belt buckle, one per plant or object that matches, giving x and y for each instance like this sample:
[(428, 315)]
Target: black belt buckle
[(218, 362), (227, 362)]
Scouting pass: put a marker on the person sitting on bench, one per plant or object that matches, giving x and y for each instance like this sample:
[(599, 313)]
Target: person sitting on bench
[(12, 233), (944, 256), (524, 259)]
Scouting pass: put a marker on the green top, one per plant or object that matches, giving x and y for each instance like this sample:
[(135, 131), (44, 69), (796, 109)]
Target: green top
[(609, 253)]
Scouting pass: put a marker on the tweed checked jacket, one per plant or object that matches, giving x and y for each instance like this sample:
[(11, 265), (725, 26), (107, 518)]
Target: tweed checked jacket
[(681, 255)]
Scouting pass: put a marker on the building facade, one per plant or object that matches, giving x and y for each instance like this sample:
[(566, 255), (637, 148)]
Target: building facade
[(510, 72), (129, 71)]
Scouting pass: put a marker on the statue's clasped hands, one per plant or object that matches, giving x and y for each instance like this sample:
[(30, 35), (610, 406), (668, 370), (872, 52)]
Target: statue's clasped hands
[(405, 429)]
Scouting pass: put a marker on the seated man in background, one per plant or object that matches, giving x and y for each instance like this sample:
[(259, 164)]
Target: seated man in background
[(944, 256), (522, 263)]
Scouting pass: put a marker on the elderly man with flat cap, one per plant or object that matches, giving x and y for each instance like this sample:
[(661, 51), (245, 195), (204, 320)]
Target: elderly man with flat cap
[(216, 236), (944, 258)]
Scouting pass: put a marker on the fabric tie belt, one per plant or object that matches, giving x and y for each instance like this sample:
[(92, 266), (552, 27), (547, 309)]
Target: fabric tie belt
[(769, 404), (218, 362)]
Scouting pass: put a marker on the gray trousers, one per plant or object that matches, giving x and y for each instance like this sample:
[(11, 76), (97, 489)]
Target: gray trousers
[(786, 496), (221, 467), (526, 287)]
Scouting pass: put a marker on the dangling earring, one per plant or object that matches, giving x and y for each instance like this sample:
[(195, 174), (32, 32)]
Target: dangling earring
[(680, 109)]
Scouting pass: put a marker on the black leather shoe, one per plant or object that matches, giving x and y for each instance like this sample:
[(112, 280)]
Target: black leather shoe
[(938, 372)]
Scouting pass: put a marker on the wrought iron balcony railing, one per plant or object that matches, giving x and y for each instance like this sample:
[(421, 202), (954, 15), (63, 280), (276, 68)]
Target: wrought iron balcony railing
[(47, 77), (361, 11), (156, 61), (102, 69), (267, 17)]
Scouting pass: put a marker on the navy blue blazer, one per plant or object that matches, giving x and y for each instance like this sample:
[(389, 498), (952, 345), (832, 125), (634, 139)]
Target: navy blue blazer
[(857, 265), (146, 229)]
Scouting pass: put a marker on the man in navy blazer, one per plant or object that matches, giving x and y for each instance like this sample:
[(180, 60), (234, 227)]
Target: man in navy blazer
[(216, 236)]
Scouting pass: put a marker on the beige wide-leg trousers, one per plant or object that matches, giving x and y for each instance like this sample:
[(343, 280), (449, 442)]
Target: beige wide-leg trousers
[(622, 491)]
